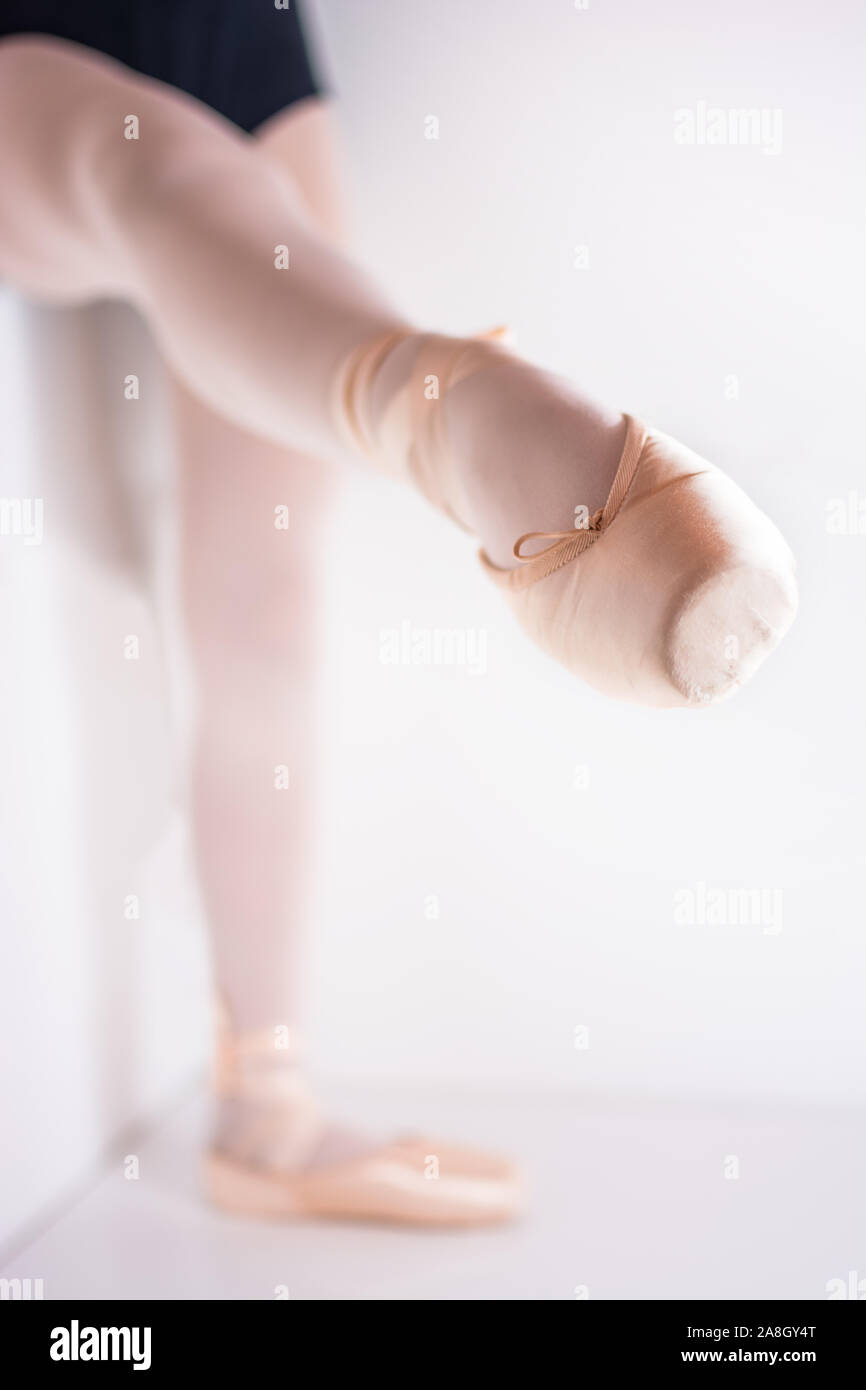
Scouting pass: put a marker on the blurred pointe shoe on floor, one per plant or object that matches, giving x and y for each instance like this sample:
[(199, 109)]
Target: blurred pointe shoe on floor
[(274, 1156)]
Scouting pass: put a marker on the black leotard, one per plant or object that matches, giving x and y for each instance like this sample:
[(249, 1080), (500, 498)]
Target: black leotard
[(245, 58)]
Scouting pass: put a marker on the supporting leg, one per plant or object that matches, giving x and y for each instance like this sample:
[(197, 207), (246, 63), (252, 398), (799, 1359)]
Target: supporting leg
[(250, 592)]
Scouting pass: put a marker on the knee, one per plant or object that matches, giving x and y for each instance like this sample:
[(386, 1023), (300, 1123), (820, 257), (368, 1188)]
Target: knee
[(260, 620)]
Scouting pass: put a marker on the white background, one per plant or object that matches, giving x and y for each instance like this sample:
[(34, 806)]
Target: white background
[(555, 902)]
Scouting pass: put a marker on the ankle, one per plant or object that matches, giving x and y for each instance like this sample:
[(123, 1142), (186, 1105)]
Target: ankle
[(532, 453), (265, 1113), (408, 400), (392, 376)]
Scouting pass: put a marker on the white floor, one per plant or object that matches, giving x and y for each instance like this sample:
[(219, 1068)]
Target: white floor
[(627, 1201)]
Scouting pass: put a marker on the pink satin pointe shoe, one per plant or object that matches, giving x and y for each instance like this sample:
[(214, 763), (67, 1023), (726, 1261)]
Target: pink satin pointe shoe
[(672, 594), (411, 1181)]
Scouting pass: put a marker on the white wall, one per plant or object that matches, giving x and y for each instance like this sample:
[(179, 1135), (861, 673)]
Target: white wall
[(101, 1014), (555, 903)]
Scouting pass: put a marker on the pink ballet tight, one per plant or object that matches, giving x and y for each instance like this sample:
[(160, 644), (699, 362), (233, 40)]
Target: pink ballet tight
[(250, 600)]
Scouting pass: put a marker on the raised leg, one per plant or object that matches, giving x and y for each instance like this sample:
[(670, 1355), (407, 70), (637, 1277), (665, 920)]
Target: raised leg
[(263, 319)]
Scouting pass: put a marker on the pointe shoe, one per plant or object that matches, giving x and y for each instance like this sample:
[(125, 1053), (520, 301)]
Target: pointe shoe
[(412, 1181), (672, 594), (395, 1184)]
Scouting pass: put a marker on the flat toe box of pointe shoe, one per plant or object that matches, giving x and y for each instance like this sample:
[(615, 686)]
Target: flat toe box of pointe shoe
[(727, 625), (681, 600)]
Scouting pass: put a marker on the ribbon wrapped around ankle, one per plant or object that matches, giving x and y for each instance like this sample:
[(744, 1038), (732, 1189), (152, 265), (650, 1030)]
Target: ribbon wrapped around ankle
[(567, 545), (445, 362), (440, 363)]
